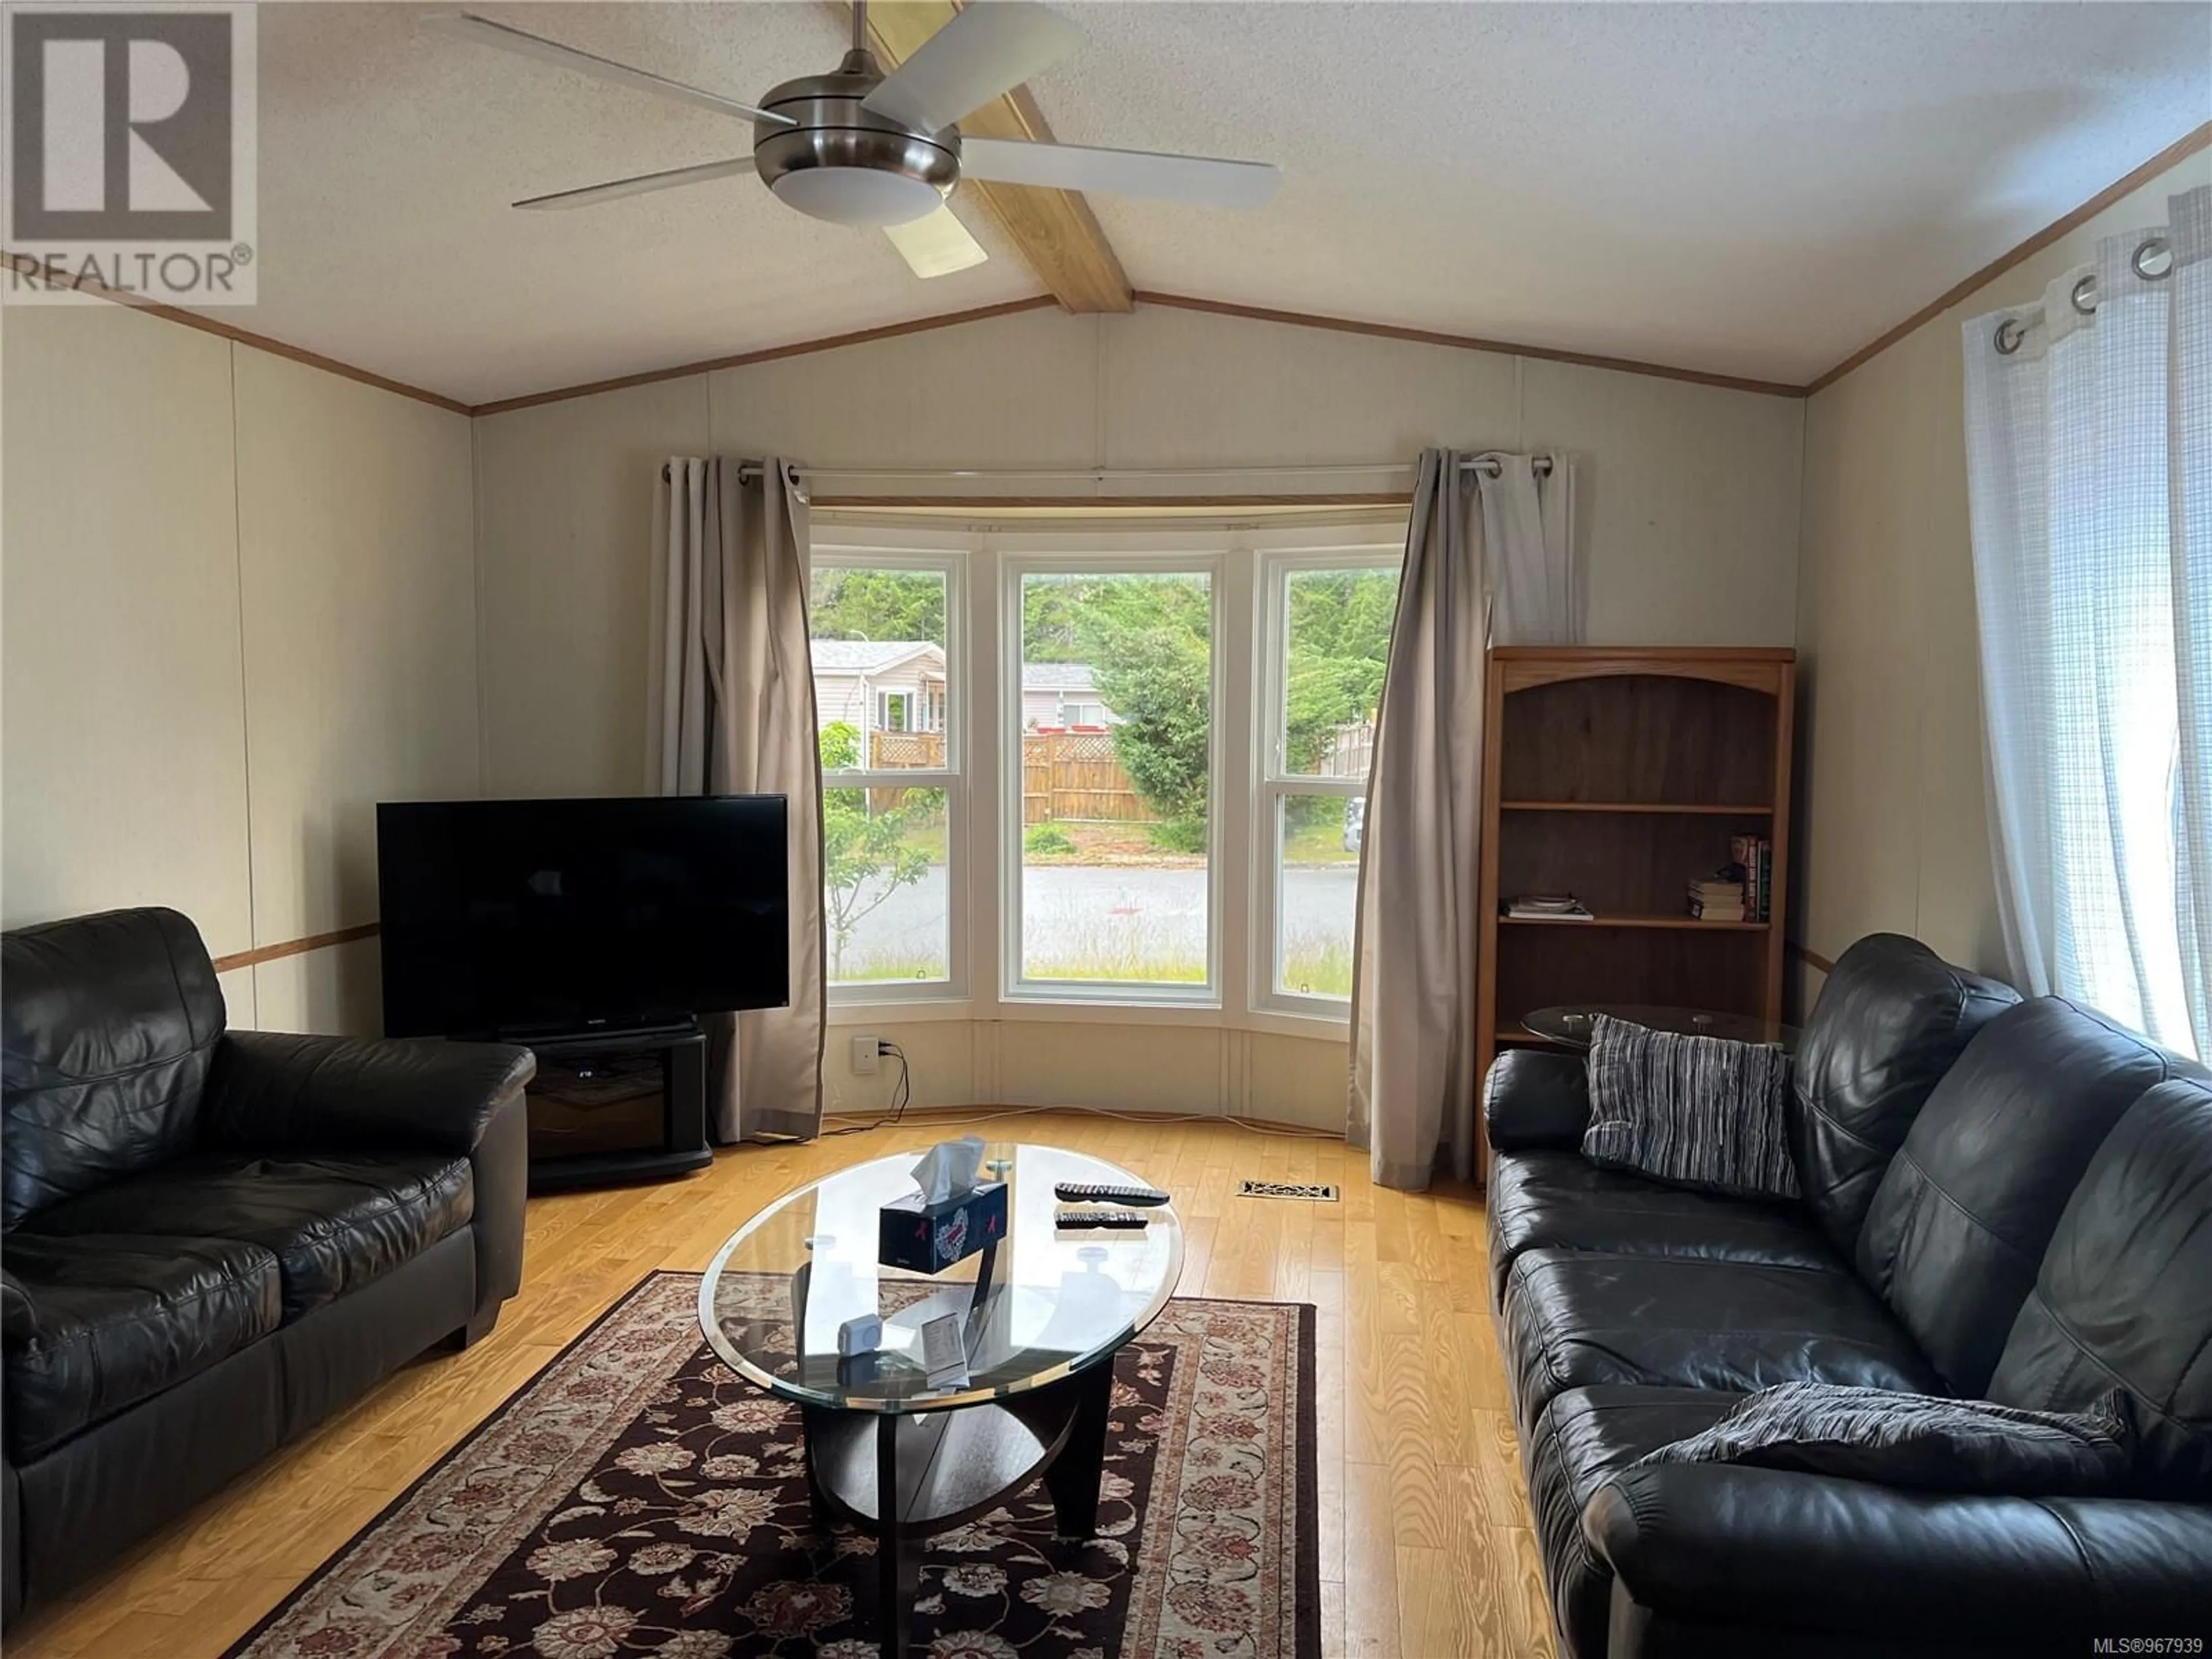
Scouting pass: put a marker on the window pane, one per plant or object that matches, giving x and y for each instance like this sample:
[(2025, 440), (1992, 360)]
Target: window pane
[(880, 671), (1316, 888), (884, 885), (1116, 766), (1337, 640)]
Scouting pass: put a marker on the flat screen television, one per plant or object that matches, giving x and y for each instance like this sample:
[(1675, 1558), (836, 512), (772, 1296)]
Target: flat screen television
[(540, 917)]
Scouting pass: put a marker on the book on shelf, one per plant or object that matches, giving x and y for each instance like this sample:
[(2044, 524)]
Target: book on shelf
[(1547, 907), (1753, 855), (1721, 897)]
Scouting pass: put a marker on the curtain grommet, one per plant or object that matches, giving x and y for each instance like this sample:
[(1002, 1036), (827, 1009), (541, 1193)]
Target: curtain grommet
[(2155, 251), (2011, 335), (2085, 296)]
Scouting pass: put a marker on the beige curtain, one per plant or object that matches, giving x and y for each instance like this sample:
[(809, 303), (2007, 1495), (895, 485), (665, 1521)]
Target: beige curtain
[(733, 713), (1490, 554)]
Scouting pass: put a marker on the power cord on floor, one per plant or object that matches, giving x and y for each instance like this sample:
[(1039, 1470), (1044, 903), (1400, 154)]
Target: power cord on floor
[(1283, 1131), (902, 1092)]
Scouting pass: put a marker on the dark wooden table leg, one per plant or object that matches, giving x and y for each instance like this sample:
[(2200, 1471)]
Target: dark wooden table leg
[(1074, 1478), (817, 1506), (898, 1558)]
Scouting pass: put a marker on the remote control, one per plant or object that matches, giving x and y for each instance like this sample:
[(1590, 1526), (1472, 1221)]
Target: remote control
[(1084, 1220), (1078, 1192)]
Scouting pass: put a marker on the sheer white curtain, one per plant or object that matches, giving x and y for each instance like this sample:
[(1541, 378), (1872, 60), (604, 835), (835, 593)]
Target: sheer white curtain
[(732, 712), (1490, 557), (2089, 450)]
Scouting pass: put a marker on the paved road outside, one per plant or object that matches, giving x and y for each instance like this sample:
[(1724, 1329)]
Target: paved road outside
[(1071, 912)]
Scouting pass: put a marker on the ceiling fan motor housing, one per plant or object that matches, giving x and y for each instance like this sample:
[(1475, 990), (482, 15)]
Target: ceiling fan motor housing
[(847, 164)]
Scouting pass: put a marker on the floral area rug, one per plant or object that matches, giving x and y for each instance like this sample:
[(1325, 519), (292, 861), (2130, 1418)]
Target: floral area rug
[(637, 1498)]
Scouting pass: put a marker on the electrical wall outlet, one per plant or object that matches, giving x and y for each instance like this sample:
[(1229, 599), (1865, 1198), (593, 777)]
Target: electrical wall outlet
[(865, 1058)]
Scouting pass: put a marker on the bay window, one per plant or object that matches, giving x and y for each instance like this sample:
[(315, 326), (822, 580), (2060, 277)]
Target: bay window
[(1143, 789)]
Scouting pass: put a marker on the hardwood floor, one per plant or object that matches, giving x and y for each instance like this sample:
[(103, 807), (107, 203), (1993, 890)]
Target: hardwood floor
[(1426, 1547)]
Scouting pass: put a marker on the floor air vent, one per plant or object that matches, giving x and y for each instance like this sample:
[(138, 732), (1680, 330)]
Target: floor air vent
[(1313, 1191)]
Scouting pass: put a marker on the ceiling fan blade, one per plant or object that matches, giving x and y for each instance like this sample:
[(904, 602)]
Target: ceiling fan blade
[(989, 47), (614, 190), (1195, 178), (937, 244), (466, 25)]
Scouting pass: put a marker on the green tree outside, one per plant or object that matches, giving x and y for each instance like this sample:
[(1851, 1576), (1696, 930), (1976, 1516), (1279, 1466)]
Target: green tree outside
[(866, 856), (877, 605), (1149, 643)]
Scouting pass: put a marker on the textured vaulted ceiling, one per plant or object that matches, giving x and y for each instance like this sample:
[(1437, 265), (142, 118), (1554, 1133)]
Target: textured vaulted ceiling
[(1752, 189)]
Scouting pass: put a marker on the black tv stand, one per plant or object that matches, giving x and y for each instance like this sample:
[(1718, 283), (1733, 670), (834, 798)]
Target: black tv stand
[(608, 1107)]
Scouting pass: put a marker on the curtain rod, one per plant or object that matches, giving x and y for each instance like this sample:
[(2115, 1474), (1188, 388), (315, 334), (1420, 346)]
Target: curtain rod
[(1488, 466)]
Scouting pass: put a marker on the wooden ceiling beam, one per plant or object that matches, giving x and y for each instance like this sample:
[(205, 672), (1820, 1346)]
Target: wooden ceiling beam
[(1054, 231)]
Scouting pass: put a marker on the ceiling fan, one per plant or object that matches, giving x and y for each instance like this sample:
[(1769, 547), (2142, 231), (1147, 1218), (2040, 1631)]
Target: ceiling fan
[(858, 147)]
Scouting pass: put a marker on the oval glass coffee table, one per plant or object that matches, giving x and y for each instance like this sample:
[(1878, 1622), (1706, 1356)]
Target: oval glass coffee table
[(1040, 1316)]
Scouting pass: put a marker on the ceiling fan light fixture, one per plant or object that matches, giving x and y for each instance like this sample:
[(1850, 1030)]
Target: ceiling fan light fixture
[(857, 196)]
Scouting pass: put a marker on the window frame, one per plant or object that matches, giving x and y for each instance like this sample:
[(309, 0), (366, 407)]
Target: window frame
[(1014, 568), (829, 553), (984, 695), (1274, 783)]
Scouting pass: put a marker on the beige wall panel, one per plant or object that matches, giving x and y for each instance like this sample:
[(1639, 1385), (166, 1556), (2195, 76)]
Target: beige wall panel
[(1160, 1068), (1296, 1079), (1182, 388), (1009, 392), (1688, 502), (1893, 815), (1860, 637), (564, 511), (238, 1000), (334, 991), (125, 761), (940, 1052), (356, 561)]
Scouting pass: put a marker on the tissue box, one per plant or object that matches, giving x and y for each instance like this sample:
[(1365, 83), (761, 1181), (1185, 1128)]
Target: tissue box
[(929, 1239)]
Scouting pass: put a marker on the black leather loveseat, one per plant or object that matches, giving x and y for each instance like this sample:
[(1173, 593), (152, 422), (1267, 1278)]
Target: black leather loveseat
[(214, 1239), (2004, 1201)]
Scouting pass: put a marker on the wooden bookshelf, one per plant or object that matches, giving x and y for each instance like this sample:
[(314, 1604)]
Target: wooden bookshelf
[(1632, 806), (1602, 920), (1617, 775)]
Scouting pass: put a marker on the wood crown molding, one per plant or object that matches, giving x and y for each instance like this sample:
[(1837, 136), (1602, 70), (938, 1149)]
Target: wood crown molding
[(2173, 156), (30, 269), (294, 947), (1467, 342), (1054, 231)]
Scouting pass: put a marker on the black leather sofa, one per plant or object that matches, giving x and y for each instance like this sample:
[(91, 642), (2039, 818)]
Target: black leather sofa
[(211, 1240), (2004, 1201)]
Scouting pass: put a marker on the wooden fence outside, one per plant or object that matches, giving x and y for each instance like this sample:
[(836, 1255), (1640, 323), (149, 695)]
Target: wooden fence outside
[(901, 748), (1351, 751), (897, 750), (1075, 775), (1066, 776)]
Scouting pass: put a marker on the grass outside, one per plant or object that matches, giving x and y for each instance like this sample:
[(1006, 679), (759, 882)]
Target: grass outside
[(1316, 966), (1319, 843)]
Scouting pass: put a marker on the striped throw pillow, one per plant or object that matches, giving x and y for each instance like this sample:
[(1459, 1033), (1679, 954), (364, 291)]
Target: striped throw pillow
[(1695, 1112), (1922, 1441)]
